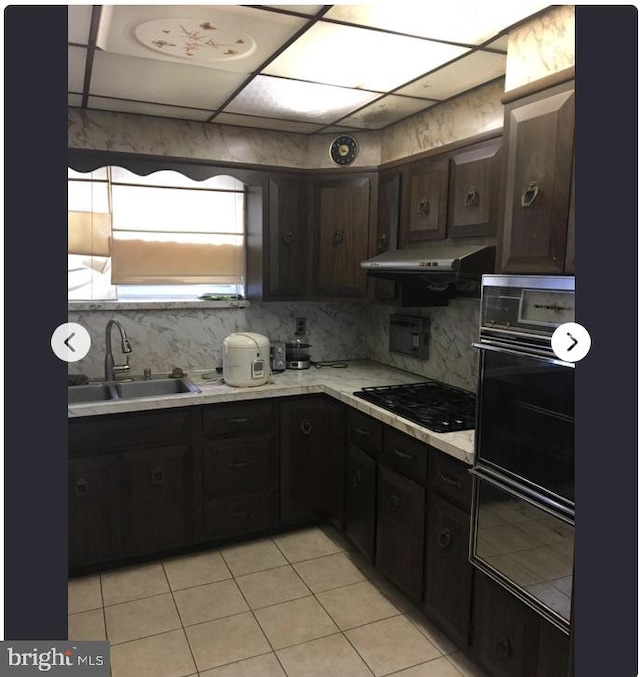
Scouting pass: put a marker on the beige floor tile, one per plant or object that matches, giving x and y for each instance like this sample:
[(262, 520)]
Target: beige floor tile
[(266, 665), (397, 598), (197, 569), (208, 602), (165, 655), (306, 544), (362, 563), (438, 667), (84, 594), (391, 645), (272, 587), (125, 585), (356, 605), (226, 640), (87, 626), (340, 540), (295, 622), (322, 657), (433, 634), (247, 558), (326, 573), (141, 618), (465, 665)]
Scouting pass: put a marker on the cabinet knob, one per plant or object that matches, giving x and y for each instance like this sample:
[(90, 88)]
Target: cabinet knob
[(472, 198), (382, 242), (338, 237), (288, 237), (82, 487), (246, 512), (394, 502), (424, 206), (355, 480), (530, 194), (444, 539), (448, 480), (503, 647), (157, 476), (305, 427)]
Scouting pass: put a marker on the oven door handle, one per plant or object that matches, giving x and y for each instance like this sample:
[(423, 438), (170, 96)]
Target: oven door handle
[(522, 352)]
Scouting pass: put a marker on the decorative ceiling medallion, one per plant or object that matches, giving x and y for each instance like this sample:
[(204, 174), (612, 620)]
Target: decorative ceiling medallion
[(195, 40)]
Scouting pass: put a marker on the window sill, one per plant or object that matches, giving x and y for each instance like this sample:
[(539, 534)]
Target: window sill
[(153, 305)]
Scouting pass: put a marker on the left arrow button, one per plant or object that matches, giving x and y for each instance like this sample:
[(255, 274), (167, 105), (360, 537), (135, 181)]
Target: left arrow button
[(61, 342)]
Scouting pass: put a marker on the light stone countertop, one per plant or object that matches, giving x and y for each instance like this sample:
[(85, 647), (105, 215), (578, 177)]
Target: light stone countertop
[(337, 383)]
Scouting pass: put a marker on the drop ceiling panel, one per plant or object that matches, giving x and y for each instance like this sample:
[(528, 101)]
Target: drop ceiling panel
[(309, 10), (78, 23), (75, 100), (141, 108), (386, 111), (280, 98), (75, 68), (225, 37), (359, 58), (152, 81), (266, 123), (468, 72)]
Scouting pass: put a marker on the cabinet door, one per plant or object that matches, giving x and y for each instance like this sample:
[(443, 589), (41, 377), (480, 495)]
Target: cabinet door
[(473, 192), (288, 245), (448, 573), (160, 499), (553, 651), (539, 136), (334, 417), (400, 531), (301, 439), (388, 221), (424, 206), (360, 501), (344, 227), (505, 631), (94, 510)]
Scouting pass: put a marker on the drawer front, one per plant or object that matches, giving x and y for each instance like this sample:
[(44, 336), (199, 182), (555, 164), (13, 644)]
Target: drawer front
[(239, 464), (93, 434), (364, 432), (405, 455), (239, 418), (450, 478), (246, 513)]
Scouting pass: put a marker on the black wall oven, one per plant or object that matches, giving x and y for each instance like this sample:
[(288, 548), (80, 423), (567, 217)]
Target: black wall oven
[(523, 514)]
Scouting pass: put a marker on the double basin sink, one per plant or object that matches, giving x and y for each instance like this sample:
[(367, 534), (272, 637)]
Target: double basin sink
[(156, 386)]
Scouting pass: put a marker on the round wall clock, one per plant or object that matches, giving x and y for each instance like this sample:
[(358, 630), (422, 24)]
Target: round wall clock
[(343, 149)]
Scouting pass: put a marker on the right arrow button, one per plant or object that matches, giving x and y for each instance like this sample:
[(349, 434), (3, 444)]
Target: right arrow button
[(577, 345)]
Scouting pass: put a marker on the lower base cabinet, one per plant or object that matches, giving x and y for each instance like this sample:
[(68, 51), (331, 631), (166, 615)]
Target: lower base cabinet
[(360, 500)]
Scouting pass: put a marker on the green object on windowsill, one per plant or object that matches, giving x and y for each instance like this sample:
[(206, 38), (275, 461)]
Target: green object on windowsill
[(221, 297)]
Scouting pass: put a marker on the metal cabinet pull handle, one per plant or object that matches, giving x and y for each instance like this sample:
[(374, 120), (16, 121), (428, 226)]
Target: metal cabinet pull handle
[(157, 476), (356, 478), (382, 242), (82, 487), (444, 539), (472, 198), (338, 237), (401, 454), (362, 431), (305, 427), (240, 464), (288, 237), (241, 419), (394, 502), (530, 194), (241, 513), (424, 206), (503, 647), (449, 481)]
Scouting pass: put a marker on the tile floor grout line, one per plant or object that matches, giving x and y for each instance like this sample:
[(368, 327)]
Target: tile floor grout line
[(398, 613)]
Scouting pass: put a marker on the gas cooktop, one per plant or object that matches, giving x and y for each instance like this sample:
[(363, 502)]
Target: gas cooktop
[(434, 405)]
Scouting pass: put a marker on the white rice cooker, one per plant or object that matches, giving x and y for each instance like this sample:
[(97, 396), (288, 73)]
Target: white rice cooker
[(245, 359)]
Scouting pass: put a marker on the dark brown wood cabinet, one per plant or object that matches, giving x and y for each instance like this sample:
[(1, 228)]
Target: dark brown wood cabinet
[(539, 138), (389, 186), (553, 652), (360, 500), (344, 225), (473, 189), (424, 200)]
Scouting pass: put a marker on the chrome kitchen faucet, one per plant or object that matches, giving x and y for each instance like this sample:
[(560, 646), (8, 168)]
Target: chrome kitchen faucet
[(110, 369)]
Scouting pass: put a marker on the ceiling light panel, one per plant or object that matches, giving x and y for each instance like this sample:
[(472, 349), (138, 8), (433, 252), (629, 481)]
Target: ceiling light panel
[(309, 10), (225, 37), (280, 98), (386, 111), (464, 74), (161, 81), (78, 23), (141, 108), (266, 123), (76, 64), (359, 58), (467, 22)]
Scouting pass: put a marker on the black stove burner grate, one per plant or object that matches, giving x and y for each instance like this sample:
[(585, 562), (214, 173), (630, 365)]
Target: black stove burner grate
[(434, 405)]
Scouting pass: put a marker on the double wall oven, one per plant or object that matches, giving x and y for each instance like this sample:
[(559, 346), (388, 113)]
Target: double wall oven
[(523, 514)]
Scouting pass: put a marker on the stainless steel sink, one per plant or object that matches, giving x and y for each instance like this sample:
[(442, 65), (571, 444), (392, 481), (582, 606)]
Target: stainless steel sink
[(126, 390)]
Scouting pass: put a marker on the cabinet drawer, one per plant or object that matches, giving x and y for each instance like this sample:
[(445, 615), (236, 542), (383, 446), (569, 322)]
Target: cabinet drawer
[(405, 455), (246, 417), (364, 432), (450, 478), (239, 464), (245, 513), (90, 435)]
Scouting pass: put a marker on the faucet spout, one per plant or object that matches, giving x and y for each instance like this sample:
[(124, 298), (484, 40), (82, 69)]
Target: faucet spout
[(110, 368)]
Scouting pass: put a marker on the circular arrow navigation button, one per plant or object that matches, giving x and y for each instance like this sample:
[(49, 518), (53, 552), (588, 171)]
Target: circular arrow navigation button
[(570, 342), (70, 342)]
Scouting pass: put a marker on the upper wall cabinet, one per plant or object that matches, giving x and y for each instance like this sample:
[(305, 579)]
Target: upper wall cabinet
[(539, 137), (389, 184), (344, 222), (424, 201), (474, 189)]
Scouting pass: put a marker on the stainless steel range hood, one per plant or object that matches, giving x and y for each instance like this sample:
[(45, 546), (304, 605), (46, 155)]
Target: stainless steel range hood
[(432, 275)]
